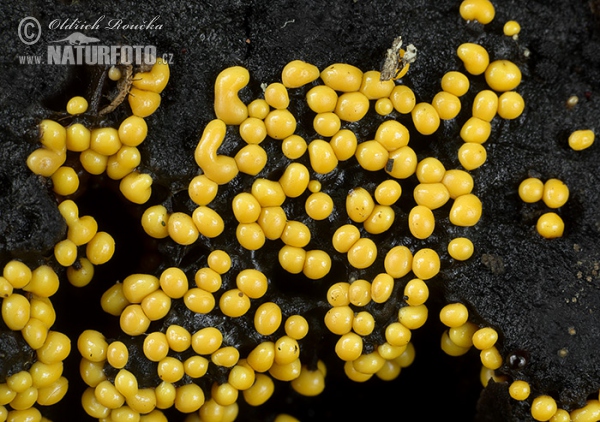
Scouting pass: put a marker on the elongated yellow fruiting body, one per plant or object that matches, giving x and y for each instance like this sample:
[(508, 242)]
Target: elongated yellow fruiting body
[(228, 106), (342, 77), (155, 80), (298, 73), (218, 168)]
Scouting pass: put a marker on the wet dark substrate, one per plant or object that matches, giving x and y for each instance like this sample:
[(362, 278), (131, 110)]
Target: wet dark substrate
[(533, 291)]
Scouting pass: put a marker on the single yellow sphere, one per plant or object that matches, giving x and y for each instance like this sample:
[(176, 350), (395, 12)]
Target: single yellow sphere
[(292, 259), (327, 124), (322, 156), (425, 118), (359, 205), (472, 155), (381, 287), (458, 182), (363, 253), (81, 276), (384, 106), (562, 415), (317, 264), (251, 159), (388, 192), (398, 261), (491, 358), (460, 248), (78, 137), (321, 99), (403, 98), (482, 11), (100, 249), (476, 130), (293, 147), (258, 108), (77, 105), (511, 28), (133, 130), (337, 295), (421, 222), (581, 139), (339, 319), (556, 193), (416, 292), (531, 190), (510, 105), (352, 106), (65, 181), (519, 390), (276, 96), (474, 57), (455, 83), (430, 170), (466, 210), (349, 347), (280, 124), (426, 263), (446, 104), (543, 408), (319, 206), (403, 163), (550, 225), (454, 315), (371, 155), (363, 323), (342, 77), (485, 105), (344, 144), (485, 338), (503, 75), (298, 73)]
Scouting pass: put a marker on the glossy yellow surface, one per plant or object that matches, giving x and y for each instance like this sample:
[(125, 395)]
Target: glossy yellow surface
[(581, 139), (474, 57), (482, 11), (227, 104)]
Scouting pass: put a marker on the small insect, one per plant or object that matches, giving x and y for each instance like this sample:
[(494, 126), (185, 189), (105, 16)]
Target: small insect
[(397, 60)]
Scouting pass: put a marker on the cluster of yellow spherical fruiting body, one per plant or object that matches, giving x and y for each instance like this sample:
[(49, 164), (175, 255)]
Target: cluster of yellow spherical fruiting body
[(100, 246), (105, 149), (142, 298), (144, 95), (26, 307), (554, 193), (461, 335), (504, 76), (388, 358), (122, 398), (344, 97), (501, 76)]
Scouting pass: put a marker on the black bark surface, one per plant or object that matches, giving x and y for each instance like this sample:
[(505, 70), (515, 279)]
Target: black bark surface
[(542, 296)]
